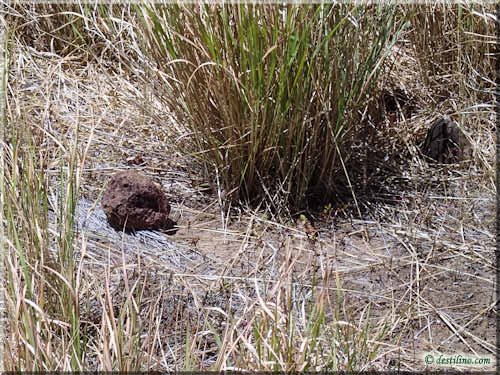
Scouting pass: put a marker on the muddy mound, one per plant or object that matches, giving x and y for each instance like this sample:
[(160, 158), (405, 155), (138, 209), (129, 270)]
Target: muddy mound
[(136, 202), (445, 142)]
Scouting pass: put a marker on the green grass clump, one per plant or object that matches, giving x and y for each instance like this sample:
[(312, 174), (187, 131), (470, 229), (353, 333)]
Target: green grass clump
[(42, 304), (273, 96)]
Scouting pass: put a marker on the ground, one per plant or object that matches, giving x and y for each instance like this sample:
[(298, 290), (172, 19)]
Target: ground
[(420, 272)]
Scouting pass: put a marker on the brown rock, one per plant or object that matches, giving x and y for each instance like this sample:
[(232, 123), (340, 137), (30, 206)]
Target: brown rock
[(135, 202), (445, 142)]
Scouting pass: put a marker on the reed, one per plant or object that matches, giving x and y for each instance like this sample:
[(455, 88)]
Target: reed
[(272, 95)]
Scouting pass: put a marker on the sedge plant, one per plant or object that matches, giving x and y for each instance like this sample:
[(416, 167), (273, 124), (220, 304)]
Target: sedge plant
[(272, 96)]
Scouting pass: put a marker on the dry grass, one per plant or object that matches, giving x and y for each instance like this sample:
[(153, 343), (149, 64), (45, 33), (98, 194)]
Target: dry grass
[(237, 288), (456, 47)]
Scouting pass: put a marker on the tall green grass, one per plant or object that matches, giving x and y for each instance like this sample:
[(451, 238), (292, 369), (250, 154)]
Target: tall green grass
[(43, 322), (273, 96), (41, 274)]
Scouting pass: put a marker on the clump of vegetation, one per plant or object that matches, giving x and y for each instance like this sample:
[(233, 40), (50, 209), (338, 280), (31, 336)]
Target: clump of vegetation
[(274, 97), (41, 275)]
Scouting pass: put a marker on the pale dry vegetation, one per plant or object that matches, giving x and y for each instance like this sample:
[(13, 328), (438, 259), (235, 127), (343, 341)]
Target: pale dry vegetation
[(313, 234)]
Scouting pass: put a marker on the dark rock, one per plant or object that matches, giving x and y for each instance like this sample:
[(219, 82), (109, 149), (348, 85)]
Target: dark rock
[(445, 142), (135, 202)]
